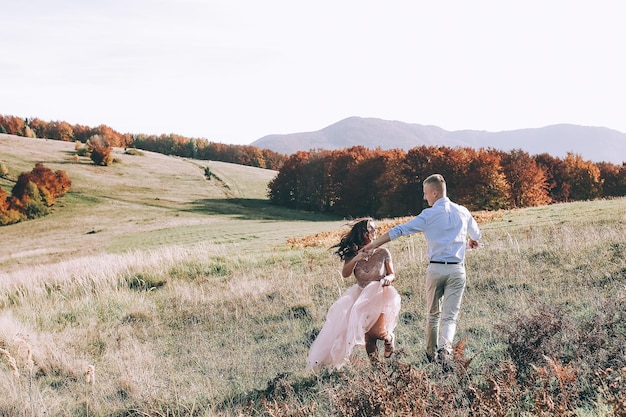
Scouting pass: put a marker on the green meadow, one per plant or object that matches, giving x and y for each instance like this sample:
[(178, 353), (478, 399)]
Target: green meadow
[(153, 290)]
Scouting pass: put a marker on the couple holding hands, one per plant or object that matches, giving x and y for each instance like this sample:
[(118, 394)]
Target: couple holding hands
[(368, 311)]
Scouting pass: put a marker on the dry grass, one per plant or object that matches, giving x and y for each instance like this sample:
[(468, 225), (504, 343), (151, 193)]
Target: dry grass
[(198, 306)]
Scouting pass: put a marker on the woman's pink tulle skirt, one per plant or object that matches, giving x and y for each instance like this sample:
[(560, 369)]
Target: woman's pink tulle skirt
[(347, 321)]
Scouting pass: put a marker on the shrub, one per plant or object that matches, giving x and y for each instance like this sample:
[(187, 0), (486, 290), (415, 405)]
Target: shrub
[(4, 201), (29, 133), (32, 194), (549, 347), (10, 217), (600, 338), (100, 150), (613, 389), (83, 152), (35, 209), (24, 191), (133, 151), (41, 184), (402, 390), (498, 395), (531, 337), (144, 282), (555, 391)]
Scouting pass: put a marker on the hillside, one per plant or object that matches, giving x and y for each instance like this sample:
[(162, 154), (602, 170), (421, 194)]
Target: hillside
[(182, 297), (144, 201), (596, 144)]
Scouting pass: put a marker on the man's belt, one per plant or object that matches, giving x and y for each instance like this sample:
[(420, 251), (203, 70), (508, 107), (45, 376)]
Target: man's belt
[(445, 262)]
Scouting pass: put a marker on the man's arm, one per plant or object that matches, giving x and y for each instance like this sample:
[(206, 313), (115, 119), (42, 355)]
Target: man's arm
[(376, 243), (474, 234), (473, 230)]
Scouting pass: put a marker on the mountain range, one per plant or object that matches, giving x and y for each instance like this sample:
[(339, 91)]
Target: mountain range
[(596, 144)]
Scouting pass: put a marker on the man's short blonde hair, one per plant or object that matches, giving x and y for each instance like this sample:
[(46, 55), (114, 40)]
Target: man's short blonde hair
[(437, 182)]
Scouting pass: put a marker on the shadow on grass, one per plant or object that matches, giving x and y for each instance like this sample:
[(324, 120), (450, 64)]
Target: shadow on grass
[(254, 209)]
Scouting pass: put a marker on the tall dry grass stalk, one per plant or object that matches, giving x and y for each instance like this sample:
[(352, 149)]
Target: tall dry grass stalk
[(10, 360), (89, 275), (90, 375)]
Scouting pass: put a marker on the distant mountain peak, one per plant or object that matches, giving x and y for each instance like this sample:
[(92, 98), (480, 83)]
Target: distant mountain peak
[(596, 144)]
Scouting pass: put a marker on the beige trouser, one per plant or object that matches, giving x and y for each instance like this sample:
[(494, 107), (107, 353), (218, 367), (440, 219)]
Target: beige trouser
[(445, 285)]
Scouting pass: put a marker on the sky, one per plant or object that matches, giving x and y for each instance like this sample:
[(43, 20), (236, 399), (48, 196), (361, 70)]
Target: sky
[(233, 71)]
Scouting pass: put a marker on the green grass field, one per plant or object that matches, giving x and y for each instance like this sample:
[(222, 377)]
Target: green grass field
[(187, 299)]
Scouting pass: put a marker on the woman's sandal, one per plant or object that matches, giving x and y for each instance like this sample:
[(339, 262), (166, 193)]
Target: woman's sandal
[(390, 346)]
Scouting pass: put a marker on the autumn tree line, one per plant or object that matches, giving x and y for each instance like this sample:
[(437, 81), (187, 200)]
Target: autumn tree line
[(388, 183), (360, 181), (33, 194), (171, 144)]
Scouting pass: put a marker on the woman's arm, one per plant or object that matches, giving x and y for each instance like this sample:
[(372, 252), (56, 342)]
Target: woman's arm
[(349, 264), (391, 276)]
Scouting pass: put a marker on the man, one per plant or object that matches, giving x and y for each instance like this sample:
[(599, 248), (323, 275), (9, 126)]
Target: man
[(445, 226)]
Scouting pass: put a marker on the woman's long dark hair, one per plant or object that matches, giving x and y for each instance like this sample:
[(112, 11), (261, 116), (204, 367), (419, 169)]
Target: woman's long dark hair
[(353, 240)]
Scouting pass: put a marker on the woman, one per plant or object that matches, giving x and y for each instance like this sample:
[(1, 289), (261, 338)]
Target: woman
[(367, 311)]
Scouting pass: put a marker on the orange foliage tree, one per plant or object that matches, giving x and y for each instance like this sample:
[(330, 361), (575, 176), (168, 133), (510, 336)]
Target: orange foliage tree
[(110, 136), (474, 178), (313, 193), (12, 125), (614, 177), (418, 162), (389, 184), (527, 179), (55, 183), (464, 183), (8, 215), (83, 133), (273, 160), (34, 192), (250, 156), (50, 185), (558, 188), (345, 185), (285, 188), (59, 131), (484, 183), (583, 177), (38, 126)]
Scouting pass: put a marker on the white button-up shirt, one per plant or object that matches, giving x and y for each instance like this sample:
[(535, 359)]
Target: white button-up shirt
[(445, 226)]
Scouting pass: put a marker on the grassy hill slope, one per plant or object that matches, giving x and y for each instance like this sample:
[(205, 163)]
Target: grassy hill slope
[(142, 202)]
